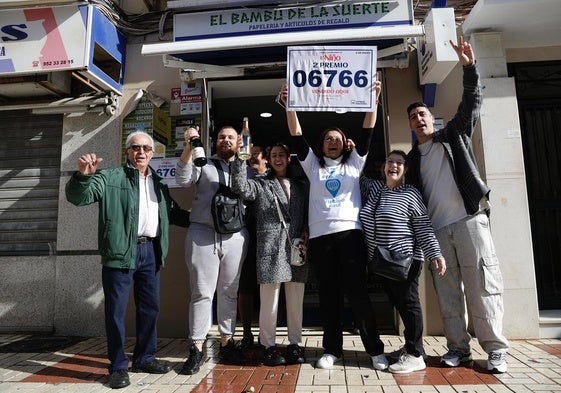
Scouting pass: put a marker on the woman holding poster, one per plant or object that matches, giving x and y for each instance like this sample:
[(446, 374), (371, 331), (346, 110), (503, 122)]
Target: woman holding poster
[(336, 240)]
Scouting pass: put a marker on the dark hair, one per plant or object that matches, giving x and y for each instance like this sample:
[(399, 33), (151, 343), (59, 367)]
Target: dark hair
[(215, 135), (277, 144), (319, 146), (399, 153), (271, 174), (416, 105)]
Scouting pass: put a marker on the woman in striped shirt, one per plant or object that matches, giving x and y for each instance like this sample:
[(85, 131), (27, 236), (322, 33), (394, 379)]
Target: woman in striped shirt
[(395, 217)]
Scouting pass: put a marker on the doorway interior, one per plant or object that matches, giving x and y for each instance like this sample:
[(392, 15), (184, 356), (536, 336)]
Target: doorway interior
[(231, 100)]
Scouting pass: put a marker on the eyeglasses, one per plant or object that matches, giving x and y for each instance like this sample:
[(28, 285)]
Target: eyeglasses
[(146, 148), (391, 162)]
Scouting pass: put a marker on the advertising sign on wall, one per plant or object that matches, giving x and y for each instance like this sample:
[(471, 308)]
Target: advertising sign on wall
[(331, 78), (43, 38), (62, 38)]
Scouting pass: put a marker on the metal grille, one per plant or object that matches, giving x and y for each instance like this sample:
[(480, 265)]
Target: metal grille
[(29, 183)]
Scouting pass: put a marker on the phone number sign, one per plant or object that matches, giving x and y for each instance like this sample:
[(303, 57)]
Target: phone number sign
[(331, 78)]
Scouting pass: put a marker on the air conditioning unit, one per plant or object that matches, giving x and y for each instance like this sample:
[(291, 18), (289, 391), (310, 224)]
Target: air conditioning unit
[(51, 84)]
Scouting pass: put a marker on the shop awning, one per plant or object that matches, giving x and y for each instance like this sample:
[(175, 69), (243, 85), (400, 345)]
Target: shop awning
[(183, 49), (208, 55), (248, 37)]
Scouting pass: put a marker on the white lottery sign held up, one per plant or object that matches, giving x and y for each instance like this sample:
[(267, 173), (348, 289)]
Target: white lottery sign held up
[(331, 78)]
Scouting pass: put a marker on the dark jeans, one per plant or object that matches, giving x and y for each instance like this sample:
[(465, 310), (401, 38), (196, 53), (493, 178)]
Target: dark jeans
[(404, 295), (116, 288), (340, 264)]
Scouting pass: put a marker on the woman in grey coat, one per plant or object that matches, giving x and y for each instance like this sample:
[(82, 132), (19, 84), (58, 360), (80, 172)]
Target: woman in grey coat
[(274, 249)]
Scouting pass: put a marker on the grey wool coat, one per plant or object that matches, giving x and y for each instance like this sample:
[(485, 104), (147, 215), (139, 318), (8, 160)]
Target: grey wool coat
[(273, 249)]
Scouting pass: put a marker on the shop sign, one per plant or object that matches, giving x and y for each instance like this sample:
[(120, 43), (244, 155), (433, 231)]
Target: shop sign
[(191, 98), (331, 78), (256, 21), (42, 39)]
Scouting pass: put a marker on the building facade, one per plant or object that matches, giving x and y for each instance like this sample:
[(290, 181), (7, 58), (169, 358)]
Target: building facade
[(50, 268)]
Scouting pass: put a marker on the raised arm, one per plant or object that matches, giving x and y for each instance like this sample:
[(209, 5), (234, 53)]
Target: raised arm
[(186, 173), (370, 117), (467, 115), (190, 133), (291, 116), (86, 185), (362, 137), (300, 145), (245, 188)]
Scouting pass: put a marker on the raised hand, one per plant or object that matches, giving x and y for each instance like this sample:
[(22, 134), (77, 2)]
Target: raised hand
[(87, 164), (190, 133), (464, 52), (284, 94)]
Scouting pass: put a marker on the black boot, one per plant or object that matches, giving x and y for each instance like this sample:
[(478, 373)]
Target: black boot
[(230, 354), (294, 354), (193, 363)]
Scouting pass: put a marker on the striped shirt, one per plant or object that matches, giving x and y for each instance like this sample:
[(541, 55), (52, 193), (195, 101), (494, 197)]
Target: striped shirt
[(396, 219)]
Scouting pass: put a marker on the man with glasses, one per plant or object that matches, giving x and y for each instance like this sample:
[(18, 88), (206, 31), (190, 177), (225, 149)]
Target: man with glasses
[(443, 167), (135, 209)]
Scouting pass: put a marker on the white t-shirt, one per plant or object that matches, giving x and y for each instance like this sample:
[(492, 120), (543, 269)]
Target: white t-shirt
[(334, 194)]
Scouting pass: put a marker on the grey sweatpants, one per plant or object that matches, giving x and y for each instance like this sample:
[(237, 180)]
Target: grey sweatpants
[(214, 262)]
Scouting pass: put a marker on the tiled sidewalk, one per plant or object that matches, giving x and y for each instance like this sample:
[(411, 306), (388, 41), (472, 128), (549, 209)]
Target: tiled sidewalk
[(534, 366)]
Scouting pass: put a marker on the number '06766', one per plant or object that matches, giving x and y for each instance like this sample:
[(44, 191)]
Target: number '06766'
[(314, 78)]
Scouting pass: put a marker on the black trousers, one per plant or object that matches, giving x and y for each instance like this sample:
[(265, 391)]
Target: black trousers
[(404, 295), (340, 264)]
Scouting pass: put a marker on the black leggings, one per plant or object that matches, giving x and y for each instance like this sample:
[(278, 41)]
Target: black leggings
[(340, 263)]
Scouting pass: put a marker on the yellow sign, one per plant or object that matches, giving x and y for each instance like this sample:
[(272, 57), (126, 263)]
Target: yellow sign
[(161, 125)]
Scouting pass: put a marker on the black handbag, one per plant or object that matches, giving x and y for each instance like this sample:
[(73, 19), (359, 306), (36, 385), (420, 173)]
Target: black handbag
[(392, 264), (227, 209)]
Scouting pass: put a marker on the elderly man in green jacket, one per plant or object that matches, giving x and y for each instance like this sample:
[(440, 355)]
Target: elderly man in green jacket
[(135, 209)]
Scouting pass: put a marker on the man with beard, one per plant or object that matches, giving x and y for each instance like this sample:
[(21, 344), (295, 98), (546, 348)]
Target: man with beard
[(214, 260)]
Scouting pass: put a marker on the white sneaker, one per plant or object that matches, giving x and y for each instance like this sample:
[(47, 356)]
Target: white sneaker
[(454, 357), (408, 363), (327, 360), (496, 362), (395, 355), (380, 362)]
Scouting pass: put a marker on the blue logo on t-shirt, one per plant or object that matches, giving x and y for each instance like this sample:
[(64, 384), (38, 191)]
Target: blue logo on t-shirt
[(333, 186)]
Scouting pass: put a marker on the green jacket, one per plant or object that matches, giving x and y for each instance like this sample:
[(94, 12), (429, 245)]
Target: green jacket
[(116, 190)]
